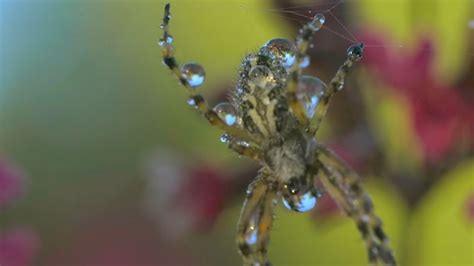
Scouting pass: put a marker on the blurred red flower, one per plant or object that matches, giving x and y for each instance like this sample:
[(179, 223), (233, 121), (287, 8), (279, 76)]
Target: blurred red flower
[(17, 247), (439, 113), (182, 196)]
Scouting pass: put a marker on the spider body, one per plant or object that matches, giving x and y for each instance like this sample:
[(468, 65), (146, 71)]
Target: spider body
[(272, 118)]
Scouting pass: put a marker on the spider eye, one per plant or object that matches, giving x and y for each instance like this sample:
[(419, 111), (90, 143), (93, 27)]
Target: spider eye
[(293, 186)]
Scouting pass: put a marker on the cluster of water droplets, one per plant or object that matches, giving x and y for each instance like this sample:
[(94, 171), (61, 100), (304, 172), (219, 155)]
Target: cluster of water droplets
[(309, 92)]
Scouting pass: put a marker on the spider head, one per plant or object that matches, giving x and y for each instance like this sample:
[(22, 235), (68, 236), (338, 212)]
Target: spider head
[(299, 194)]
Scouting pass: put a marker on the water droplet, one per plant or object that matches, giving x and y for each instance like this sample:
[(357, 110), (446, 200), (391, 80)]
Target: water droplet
[(168, 41), (251, 238), (310, 89), (193, 74), (251, 232), (191, 101), (318, 21), (226, 113), (305, 62), (303, 203), (262, 77), (282, 49), (355, 52), (225, 138)]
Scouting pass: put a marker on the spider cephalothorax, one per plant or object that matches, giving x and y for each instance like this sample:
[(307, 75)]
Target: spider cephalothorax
[(272, 118)]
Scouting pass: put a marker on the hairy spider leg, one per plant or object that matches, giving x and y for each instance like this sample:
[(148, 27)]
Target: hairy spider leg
[(345, 187), (303, 40), (197, 99), (255, 222), (354, 54), (244, 148)]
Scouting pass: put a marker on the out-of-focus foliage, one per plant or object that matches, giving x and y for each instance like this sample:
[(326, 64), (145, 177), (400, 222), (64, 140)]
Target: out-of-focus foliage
[(441, 231)]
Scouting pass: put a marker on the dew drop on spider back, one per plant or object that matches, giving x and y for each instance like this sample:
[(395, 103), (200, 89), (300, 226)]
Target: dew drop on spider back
[(282, 49), (193, 74), (262, 77), (227, 113), (310, 89), (305, 203)]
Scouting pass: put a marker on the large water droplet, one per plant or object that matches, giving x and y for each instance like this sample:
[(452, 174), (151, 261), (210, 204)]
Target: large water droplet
[(262, 77), (310, 89), (194, 74), (282, 49), (226, 113), (304, 203)]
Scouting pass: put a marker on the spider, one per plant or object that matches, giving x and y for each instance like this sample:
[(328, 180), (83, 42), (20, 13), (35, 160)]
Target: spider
[(272, 118)]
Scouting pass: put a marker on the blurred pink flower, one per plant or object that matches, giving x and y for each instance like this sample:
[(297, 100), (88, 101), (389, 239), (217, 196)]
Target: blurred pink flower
[(439, 113), (470, 208), (121, 237), (17, 247), (183, 197), (11, 182)]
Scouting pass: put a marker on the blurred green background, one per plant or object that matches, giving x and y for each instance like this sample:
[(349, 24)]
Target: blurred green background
[(85, 103)]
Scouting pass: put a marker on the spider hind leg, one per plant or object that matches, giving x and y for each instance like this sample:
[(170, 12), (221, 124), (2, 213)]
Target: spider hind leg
[(345, 187), (256, 218)]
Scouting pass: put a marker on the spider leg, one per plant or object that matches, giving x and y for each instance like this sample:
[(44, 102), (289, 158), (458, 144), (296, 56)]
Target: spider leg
[(195, 99), (354, 53), (256, 218), (344, 185), (243, 148), (303, 40)]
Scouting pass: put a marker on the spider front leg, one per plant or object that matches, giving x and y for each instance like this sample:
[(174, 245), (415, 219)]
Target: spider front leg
[(256, 218), (303, 40), (345, 187), (191, 77), (354, 54)]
